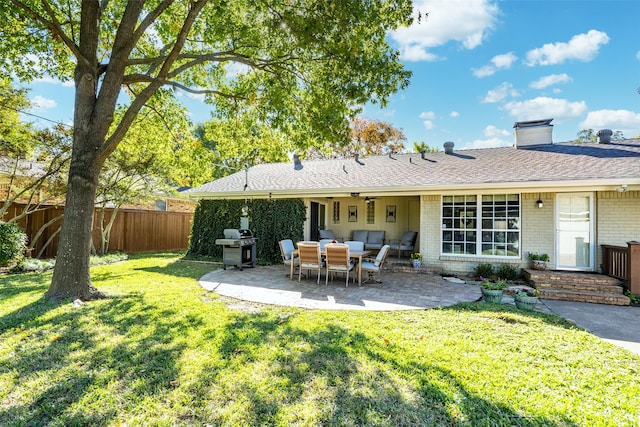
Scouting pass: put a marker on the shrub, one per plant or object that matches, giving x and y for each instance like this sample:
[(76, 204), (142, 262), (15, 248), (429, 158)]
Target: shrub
[(12, 243), (483, 270), (33, 264), (507, 271)]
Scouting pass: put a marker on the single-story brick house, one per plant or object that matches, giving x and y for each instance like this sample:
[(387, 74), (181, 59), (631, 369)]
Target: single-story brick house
[(492, 205)]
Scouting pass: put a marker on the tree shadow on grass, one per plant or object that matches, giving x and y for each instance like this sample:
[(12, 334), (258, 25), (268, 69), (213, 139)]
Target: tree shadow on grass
[(133, 352), (330, 375)]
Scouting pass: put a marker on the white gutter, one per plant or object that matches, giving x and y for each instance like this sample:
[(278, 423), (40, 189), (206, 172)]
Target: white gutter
[(600, 184)]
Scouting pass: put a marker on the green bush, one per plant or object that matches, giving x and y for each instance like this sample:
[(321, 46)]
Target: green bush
[(269, 220), (507, 272), (483, 270), (12, 243)]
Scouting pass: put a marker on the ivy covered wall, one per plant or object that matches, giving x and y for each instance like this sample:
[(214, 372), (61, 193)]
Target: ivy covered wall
[(269, 220)]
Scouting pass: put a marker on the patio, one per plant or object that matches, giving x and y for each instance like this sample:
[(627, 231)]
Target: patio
[(398, 290)]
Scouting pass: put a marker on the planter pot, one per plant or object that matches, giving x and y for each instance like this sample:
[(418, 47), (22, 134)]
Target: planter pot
[(417, 263), (492, 295), (526, 303), (539, 265)]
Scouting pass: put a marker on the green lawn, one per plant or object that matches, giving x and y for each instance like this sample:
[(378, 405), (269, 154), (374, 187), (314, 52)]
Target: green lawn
[(162, 351)]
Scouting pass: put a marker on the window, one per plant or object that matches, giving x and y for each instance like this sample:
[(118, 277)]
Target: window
[(336, 212), (486, 225), (371, 211)]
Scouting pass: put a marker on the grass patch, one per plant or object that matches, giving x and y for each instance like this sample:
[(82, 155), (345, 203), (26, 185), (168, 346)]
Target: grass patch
[(162, 351)]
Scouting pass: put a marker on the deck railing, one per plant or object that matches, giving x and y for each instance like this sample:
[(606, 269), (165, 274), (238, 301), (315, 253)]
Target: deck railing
[(623, 263)]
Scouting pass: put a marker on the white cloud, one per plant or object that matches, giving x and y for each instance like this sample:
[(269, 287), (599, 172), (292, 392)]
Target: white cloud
[(427, 119), (623, 120), (466, 22), (41, 103), (52, 80), (543, 107), (492, 132), (500, 93), (498, 62), (454, 114), (581, 47), (550, 80)]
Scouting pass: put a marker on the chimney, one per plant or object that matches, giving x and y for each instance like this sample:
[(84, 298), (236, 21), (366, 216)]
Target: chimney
[(535, 132), (604, 136), (448, 147)]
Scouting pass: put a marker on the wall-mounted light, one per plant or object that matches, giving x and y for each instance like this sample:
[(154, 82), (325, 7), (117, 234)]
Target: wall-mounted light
[(539, 202), (622, 189)]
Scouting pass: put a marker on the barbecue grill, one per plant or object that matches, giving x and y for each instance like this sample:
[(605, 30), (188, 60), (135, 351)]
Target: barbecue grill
[(238, 248)]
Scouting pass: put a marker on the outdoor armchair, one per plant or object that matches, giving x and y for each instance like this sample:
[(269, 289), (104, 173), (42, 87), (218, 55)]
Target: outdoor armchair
[(374, 266), (286, 247), (406, 243)]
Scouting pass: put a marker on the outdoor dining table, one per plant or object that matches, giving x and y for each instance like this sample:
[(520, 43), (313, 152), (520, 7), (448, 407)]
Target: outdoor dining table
[(355, 255)]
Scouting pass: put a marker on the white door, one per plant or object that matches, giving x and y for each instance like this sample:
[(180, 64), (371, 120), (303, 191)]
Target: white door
[(574, 231)]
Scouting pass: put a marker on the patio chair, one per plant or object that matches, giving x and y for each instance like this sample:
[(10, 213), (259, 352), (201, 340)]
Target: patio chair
[(355, 245), (324, 243), (406, 243), (309, 258), (286, 247), (327, 234), (338, 261), (374, 266)]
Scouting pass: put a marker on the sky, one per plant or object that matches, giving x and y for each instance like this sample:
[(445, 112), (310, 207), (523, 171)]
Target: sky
[(479, 66)]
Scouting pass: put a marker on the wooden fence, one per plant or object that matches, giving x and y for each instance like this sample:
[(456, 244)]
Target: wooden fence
[(133, 230), (623, 263)]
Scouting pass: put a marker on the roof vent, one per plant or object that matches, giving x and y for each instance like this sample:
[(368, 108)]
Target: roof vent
[(356, 155), (535, 132), (448, 147), (604, 136), (423, 154), (297, 164)]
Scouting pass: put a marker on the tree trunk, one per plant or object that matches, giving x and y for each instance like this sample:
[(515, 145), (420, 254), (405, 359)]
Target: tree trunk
[(71, 273)]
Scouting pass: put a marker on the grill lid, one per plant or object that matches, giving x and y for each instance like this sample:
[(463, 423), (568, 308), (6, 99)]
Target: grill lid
[(233, 233)]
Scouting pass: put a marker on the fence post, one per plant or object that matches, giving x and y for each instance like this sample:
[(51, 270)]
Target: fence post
[(634, 267)]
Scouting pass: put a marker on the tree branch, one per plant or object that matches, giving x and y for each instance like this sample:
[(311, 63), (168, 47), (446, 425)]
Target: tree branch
[(112, 142), (52, 25)]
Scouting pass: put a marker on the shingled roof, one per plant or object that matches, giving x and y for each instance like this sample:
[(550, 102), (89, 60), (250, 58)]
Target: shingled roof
[(533, 167)]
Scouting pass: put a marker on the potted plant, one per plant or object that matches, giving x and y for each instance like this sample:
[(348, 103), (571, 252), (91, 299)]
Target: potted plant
[(416, 258), (538, 261), (526, 298), (492, 291)]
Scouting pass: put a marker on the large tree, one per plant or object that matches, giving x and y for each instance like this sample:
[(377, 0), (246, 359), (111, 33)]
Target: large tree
[(366, 137), (305, 65)]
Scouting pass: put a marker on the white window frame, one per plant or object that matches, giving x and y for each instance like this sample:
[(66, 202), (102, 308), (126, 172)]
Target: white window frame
[(478, 227)]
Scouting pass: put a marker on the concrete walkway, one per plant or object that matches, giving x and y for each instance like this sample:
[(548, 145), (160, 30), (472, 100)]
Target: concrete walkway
[(407, 291), (620, 325)]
